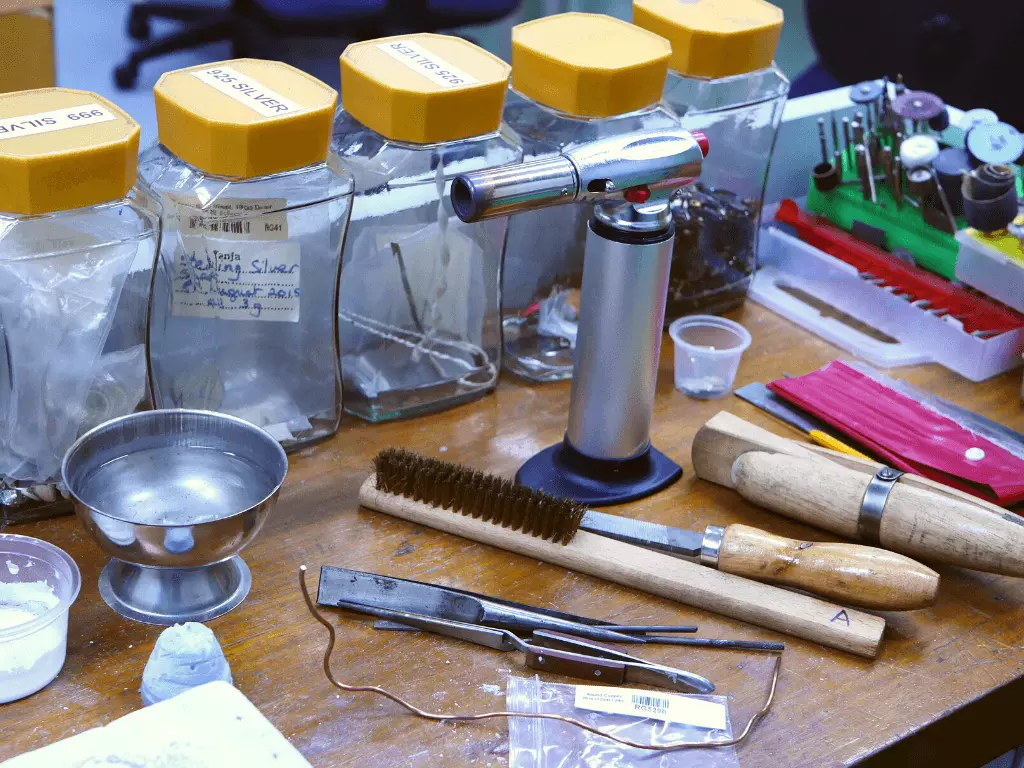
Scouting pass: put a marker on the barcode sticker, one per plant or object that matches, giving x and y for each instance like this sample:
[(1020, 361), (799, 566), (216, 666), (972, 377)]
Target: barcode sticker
[(232, 280), (670, 707), (235, 218)]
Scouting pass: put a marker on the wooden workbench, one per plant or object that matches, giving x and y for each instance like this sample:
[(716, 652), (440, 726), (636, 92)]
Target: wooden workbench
[(946, 689)]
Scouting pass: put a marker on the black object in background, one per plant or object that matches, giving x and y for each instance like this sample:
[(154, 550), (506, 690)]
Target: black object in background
[(967, 52)]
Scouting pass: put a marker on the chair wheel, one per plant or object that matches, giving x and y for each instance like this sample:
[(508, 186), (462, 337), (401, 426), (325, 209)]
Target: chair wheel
[(126, 76), (138, 24)]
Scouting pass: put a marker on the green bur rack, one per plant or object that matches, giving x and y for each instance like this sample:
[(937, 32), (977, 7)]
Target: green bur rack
[(904, 227)]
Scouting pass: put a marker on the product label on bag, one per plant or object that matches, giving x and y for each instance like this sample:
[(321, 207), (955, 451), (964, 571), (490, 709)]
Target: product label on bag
[(428, 64), (670, 707), (235, 218), (55, 120), (232, 280), (245, 90)]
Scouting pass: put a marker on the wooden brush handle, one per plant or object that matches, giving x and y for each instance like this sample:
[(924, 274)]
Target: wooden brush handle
[(851, 574), (917, 521), (738, 598)]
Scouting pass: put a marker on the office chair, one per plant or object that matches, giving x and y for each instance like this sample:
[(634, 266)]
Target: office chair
[(252, 26)]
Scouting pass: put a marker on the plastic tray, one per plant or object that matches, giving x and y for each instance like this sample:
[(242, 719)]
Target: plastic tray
[(787, 263), (994, 266)]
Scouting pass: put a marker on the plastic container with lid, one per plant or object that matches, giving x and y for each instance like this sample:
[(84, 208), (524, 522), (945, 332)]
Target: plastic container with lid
[(77, 248), (722, 81), (576, 77), (242, 318), (418, 320), (38, 584)]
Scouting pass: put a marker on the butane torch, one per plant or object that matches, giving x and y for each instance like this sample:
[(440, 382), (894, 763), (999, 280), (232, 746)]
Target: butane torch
[(606, 456)]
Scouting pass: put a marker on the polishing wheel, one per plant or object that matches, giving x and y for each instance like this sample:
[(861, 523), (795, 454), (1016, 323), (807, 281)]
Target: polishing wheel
[(918, 105)]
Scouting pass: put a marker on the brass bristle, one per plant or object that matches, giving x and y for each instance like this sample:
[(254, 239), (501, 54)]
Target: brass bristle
[(479, 495)]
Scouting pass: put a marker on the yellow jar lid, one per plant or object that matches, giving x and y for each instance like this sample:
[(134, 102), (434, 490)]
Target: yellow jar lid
[(245, 117), (588, 64), (423, 88), (62, 149), (714, 38)]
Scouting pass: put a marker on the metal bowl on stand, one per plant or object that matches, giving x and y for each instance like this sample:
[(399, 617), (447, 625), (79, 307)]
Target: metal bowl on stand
[(173, 496)]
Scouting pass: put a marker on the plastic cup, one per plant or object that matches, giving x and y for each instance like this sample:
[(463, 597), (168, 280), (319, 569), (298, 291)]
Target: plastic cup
[(38, 584), (708, 352)]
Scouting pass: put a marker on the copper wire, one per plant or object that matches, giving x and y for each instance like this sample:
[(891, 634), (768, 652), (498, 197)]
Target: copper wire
[(757, 717)]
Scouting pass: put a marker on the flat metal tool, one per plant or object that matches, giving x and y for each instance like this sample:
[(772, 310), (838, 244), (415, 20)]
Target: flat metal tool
[(758, 394), (555, 652), (344, 585)]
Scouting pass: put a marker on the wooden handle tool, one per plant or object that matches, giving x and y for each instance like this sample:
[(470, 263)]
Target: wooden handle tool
[(851, 574), (920, 518), (738, 598)]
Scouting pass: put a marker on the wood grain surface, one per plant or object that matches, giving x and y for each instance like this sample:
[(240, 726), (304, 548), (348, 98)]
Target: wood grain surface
[(947, 688), (659, 574), (851, 574)]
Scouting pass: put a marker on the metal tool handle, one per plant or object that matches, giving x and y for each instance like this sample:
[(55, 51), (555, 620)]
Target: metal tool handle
[(637, 670), (582, 666)]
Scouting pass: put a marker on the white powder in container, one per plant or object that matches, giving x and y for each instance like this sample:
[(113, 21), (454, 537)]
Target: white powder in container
[(28, 661)]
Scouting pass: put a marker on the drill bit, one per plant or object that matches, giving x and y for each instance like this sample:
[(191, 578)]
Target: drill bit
[(857, 128), (835, 133), (821, 138), (862, 171), (847, 140), (870, 174), (886, 156), (897, 187)]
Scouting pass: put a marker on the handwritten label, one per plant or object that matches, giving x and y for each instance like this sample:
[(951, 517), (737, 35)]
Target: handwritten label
[(236, 219), (669, 707), (246, 90), (428, 64), (230, 280), (55, 120), (842, 616)]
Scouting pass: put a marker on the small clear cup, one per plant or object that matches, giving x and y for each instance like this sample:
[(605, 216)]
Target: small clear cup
[(707, 354), (38, 584)]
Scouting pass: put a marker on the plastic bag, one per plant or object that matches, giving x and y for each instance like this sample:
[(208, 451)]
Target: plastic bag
[(56, 314), (537, 743)]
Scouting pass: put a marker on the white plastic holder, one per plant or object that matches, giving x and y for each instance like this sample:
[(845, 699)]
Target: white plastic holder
[(787, 262)]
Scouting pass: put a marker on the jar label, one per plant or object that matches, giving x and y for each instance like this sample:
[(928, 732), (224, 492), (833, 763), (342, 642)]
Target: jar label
[(235, 218), (428, 64), (55, 120), (246, 90), (234, 280)]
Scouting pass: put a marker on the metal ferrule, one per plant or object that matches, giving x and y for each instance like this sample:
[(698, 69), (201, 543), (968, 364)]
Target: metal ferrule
[(712, 546), (661, 160)]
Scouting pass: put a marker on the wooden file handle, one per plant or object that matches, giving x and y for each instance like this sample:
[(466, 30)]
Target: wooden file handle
[(738, 598), (851, 574), (917, 521)]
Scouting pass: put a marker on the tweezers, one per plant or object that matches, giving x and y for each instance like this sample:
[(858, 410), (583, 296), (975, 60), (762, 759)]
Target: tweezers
[(554, 652)]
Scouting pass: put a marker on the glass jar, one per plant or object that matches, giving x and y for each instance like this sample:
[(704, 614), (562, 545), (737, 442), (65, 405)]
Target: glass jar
[(77, 249), (722, 81), (242, 317), (418, 321), (611, 75), (26, 45)]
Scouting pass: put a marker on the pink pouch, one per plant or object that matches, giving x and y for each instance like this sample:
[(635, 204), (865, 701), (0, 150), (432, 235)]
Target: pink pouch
[(905, 433)]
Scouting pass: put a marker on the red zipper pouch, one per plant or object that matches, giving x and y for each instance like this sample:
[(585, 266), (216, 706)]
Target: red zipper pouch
[(905, 433)]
